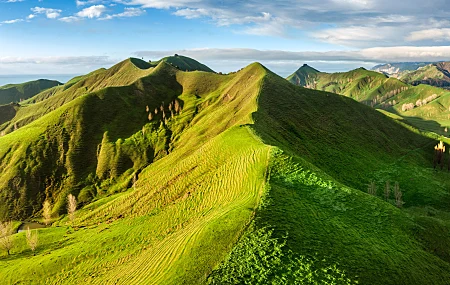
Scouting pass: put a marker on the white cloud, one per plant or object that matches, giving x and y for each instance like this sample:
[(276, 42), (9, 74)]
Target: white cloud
[(69, 19), (14, 1), (128, 12), (192, 13), (59, 60), (374, 55), (31, 16), (164, 4), (430, 34), (87, 2), (92, 12), (12, 21), (49, 12), (354, 23), (355, 4), (54, 64), (354, 35)]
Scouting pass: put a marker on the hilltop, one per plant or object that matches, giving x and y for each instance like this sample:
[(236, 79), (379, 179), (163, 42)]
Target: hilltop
[(197, 177), (13, 93), (304, 76), (184, 63)]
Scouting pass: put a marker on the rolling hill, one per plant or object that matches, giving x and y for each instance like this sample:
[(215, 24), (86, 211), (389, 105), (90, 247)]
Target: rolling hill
[(435, 74), (368, 87), (13, 93), (201, 178), (183, 63), (423, 106)]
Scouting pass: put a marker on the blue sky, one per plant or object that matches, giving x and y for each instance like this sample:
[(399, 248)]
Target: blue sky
[(75, 37)]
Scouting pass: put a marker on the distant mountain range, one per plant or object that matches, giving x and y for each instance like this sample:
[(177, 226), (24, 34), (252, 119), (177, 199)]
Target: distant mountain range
[(393, 69), (415, 73), (17, 92), (408, 96)]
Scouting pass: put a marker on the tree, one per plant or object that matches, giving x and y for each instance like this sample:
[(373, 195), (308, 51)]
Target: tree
[(387, 190), (6, 232), (372, 189), (47, 212), (398, 195), (32, 239), (134, 181), (71, 206)]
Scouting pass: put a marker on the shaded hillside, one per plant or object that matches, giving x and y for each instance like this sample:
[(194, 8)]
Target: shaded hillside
[(7, 112), (436, 74), (78, 133), (304, 76), (122, 74), (196, 177), (18, 92), (322, 152)]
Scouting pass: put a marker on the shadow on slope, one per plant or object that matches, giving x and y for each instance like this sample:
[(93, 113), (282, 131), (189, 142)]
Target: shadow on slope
[(331, 148)]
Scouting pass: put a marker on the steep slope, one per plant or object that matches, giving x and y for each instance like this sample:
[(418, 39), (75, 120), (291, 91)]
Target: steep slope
[(55, 141), (325, 160), (122, 74), (7, 112), (304, 76), (365, 86), (190, 206), (184, 63), (18, 92), (220, 157), (424, 107), (436, 74)]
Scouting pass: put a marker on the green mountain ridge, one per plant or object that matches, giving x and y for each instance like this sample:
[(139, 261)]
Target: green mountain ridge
[(436, 74), (184, 63), (13, 93), (423, 106), (202, 178)]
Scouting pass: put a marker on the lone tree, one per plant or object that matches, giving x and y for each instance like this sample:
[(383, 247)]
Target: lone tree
[(387, 190), (32, 239), (398, 195), (439, 151), (6, 232), (372, 189), (47, 212), (71, 206)]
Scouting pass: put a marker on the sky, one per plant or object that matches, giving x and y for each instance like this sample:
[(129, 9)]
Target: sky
[(76, 37)]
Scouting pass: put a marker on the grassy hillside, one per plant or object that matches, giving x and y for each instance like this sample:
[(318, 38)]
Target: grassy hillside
[(368, 87), (423, 106), (241, 179), (436, 74), (304, 76), (315, 178), (184, 63), (13, 93)]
